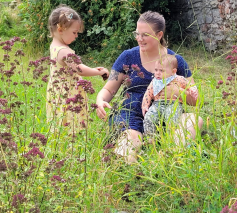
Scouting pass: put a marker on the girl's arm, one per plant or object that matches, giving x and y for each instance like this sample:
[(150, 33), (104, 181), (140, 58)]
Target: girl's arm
[(108, 91), (82, 69)]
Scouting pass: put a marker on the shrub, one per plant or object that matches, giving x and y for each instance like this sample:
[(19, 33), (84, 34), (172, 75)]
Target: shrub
[(10, 24)]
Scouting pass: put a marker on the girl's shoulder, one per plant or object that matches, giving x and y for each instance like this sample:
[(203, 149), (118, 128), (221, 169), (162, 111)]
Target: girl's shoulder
[(58, 48)]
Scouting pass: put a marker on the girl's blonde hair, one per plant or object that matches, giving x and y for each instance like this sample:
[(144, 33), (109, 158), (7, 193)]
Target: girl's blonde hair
[(157, 22), (63, 17)]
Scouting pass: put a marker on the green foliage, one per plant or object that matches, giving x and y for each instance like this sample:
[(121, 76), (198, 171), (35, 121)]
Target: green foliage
[(10, 24), (35, 18), (108, 25)]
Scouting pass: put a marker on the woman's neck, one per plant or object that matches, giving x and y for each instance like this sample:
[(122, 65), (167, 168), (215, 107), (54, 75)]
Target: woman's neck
[(155, 54)]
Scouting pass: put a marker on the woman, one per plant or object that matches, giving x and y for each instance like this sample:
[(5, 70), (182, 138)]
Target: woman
[(152, 47)]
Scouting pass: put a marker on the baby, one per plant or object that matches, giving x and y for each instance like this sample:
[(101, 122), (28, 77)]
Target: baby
[(165, 109)]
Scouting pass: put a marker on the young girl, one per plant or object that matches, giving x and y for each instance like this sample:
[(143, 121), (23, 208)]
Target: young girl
[(64, 25)]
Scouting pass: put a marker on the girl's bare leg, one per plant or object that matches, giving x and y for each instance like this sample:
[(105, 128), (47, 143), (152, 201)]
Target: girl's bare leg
[(128, 144)]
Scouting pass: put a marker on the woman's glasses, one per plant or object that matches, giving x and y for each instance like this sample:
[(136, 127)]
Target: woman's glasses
[(142, 35)]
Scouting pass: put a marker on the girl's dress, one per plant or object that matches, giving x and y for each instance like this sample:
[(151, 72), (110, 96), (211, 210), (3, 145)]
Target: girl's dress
[(61, 87)]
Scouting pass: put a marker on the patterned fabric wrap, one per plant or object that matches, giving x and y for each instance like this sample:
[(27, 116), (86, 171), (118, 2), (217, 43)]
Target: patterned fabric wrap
[(159, 84)]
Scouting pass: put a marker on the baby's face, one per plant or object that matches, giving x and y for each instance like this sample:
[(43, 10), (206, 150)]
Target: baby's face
[(163, 69)]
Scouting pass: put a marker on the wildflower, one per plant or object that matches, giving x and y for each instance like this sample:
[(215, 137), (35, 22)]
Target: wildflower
[(18, 199), (86, 86), (140, 74), (108, 146), (220, 82), (126, 188), (127, 82), (45, 78), (34, 152), (127, 95), (3, 166), (94, 106), (83, 124), (3, 102), (6, 111), (23, 41), (125, 68), (6, 57), (138, 175), (217, 87), (3, 121), (135, 67), (56, 177), (19, 53), (225, 210), (7, 48), (106, 159), (59, 164), (229, 78), (40, 137)]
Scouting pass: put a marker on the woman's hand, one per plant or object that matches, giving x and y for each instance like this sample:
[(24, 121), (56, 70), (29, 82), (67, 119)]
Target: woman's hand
[(100, 109)]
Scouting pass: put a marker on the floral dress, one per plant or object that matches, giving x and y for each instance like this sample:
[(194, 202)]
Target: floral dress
[(61, 89)]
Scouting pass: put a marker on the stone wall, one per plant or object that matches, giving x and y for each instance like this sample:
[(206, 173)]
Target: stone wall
[(213, 21)]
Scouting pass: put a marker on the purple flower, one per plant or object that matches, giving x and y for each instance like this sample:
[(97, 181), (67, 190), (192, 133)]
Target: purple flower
[(7, 48), (220, 82), (40, 137), (106, 159), (108, 146), (18, 199), (125, 68), (33, 153), (140, 74), (225, 210), (3, 166), (135, 67), (86, 86), (3, 102), (59, 164)]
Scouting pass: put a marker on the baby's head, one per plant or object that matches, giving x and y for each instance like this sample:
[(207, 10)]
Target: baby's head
[(62, 18), (166, 67)]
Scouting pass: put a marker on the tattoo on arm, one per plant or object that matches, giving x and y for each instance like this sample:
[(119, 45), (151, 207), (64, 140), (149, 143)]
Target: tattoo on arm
[(113, 75)]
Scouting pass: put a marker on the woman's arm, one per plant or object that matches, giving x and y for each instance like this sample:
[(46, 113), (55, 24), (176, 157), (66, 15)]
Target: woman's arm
[(107, 93)]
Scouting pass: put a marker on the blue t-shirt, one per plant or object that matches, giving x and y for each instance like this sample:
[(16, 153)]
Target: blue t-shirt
[(131, 113)]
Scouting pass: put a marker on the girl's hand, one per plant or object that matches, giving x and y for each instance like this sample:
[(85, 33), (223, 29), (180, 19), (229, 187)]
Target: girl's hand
[(100, 110), (104, 72)]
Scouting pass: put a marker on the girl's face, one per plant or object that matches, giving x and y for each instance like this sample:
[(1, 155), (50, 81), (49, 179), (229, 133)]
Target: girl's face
[(70, 34), (163, 69), (146, 37)]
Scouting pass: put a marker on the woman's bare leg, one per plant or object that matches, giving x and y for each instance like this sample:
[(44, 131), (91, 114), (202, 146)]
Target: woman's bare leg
[(128, 144)]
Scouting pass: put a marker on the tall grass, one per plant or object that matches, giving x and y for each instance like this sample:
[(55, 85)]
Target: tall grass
[(81, 174)]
